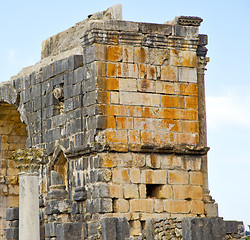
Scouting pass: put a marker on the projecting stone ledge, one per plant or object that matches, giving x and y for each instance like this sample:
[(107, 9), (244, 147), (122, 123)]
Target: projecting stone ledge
[(143, 148)]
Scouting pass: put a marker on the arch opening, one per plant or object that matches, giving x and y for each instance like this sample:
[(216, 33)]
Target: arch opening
[(13, 136)]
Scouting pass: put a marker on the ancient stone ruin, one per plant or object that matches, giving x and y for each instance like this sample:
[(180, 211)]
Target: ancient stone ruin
[(105, 137)]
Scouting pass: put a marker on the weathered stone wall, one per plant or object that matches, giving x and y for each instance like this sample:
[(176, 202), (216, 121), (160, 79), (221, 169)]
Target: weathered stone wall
[(122, 122)]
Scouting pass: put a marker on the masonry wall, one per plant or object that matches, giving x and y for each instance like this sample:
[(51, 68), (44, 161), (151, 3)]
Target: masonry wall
[(122, 122)]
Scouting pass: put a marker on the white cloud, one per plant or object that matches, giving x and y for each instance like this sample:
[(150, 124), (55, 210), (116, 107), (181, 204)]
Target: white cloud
[(229, 109)]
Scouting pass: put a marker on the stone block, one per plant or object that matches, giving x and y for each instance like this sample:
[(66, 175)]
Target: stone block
[(144, 85), (80, 194), (183, 58), (177, 177), (141, 55), (203, 228), (13, 224), (99, 205), (176, 206), (188, 192), (72, 231), (135, 227), (191, 102), (114, 53), (120, 175), (191, 163), (197, 206), (149, 229), (158, 56), (142, 190), (127, 70), (124, 122), (185, 31), (154, 176), (100, 190), (114, 97), (196, 178), (162, 191), (121, 205), (115, 228), (168, 73), (58, 207), (171, 162), (12, 214), (234, 227), (128, 85), (170, 101), (131, 191), (111, 69), (122, 229), (135, 175), (12, 233), (128, 54), (50, 229), (93, 228), (108, 226), (75, 62), (142, 205), (158, 206), (186, 74)]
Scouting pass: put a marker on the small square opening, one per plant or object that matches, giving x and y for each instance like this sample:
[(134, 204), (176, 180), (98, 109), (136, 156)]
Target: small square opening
[(152, 190)]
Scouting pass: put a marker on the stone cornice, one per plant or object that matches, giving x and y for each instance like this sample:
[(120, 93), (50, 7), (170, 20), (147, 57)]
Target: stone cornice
[(141, 34), (189, 21), (137, 148)]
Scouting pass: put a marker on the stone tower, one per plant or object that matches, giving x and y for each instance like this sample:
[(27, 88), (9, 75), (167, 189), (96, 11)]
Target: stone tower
[(119, 108)]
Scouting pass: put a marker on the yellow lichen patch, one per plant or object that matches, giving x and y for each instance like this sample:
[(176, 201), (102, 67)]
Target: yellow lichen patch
[(147, 137), (116, 136), (110, 84), (103, 97), (133, 136), (141, 55), (183, 58), (114, 53), (186, 88), (172, 101), (190, 126), (111, 69), (124, 122), (191, 102), (142, 70), (168, 73)]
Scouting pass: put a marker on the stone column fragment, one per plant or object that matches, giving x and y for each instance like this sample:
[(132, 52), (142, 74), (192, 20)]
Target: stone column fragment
[(29, 226)]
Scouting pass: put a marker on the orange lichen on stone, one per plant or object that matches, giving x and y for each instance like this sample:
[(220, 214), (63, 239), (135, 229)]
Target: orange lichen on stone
[(111, 69), (124, 123), (141, 55), (172, 101), (183, 58), (114, 53), (116, 136), (191, 102), (168, 73), (186, 88)]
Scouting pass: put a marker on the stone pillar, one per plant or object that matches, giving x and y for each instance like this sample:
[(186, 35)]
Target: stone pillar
[(211, 208), (29, 226), (29, 161)]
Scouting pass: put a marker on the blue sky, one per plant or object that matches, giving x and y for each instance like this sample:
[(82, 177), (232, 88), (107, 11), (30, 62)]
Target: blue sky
[(25, 24)]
